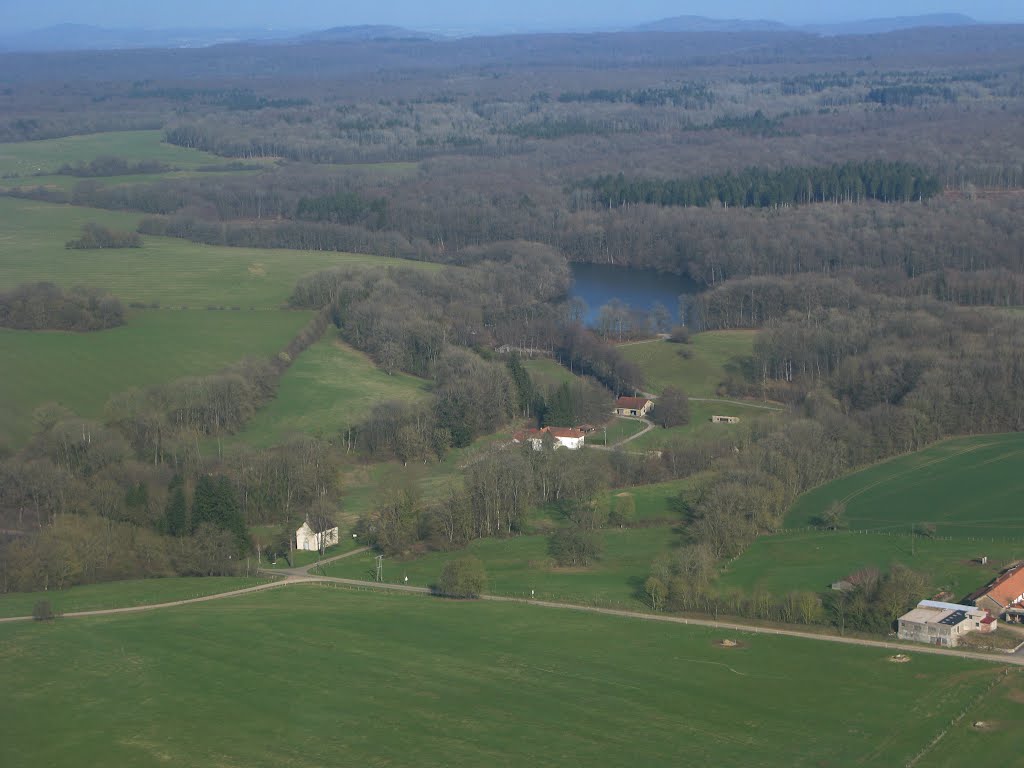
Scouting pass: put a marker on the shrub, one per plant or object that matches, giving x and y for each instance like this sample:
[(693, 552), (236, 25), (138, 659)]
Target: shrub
[(463, 577), (574, 547), (43, 611)]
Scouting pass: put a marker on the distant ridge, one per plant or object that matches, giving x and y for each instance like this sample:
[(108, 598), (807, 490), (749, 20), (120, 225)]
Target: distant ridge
[(705, 24), (85, 37), (881, 26), (365, 33), (865, 27)]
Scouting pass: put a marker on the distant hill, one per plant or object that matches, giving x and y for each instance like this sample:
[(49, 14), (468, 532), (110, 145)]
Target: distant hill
[(865, 27), (85, 37), (704, 24)]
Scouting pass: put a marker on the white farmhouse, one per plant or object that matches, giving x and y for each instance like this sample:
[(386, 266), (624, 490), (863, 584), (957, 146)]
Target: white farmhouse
[(564, 437), (308, 539)]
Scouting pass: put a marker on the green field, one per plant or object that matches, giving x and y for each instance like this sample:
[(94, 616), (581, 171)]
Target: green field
[(520, 564), (547, 374), (329, 387), (25, 158), (653, 502), (712, 352), (123, 594), (968, 487), (617, 429), (813, 560), (82, 370), (700, 423), (315, 675), (363, 485), (167, 270)]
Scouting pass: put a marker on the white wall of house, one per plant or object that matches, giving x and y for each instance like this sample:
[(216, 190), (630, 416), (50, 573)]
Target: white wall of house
[(306, 539), (572, 443)]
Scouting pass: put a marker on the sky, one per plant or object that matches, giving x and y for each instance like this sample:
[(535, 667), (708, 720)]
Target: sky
[(468, 15)]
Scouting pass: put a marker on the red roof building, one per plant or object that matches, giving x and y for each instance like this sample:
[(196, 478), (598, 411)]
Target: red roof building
[(1004, 592)]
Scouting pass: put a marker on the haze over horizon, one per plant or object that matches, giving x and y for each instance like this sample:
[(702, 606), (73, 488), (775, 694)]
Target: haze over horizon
[(527, 15)]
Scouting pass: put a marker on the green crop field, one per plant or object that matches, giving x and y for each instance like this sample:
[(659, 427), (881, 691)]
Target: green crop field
[(329, 387), (711, 353), (968, 487), (26, 158), (314, 675), (123, 594), (810, 560), (82, 370), (517, 565), (170, 271)]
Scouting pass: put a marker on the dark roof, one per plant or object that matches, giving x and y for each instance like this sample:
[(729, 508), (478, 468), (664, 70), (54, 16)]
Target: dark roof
[(632, 402)]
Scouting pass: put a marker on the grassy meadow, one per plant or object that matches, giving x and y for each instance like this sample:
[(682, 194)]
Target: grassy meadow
[(967, 487), (700, 424), (358, 678), (329, 387), (711, 353), (82, 370), (167, 270), (813, 560), (123, 594), (24, 159), (517, 565)]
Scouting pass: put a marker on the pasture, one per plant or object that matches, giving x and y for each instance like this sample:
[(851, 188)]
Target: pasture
[(358, 678), (967, 488), (24, 159), (123, 594), (700, 425), (811, 560), (517, 565), (82, 370), (711, 354), (616, 430), (547, 374), (170, 271), (330, 386)]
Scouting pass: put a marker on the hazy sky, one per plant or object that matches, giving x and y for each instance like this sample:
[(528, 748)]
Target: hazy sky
[(465, 14)]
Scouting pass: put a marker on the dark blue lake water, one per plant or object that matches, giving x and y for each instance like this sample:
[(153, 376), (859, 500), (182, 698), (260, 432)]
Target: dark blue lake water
[(641, 289)]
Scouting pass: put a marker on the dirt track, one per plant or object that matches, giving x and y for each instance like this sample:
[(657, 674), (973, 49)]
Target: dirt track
[(301, 576)]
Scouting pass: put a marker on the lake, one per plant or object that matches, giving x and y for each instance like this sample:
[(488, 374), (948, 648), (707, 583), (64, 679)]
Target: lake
[(641, 289)]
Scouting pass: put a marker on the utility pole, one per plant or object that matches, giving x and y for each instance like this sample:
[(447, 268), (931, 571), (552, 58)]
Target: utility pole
[(380, 567)]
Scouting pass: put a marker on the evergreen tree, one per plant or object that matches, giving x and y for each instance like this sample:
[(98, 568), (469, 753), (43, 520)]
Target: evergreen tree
[(176, 512)]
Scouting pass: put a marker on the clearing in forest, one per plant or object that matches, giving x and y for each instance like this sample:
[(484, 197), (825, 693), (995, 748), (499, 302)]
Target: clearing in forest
[(697, 368)]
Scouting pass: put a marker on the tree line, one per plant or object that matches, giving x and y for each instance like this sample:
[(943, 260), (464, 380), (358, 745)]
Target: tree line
[(756, 188)]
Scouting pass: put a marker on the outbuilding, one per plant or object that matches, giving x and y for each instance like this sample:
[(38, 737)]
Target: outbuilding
[(633, 406), (943, 624)]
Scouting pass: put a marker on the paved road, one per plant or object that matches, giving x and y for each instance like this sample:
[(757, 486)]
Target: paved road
[(298, 576)]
